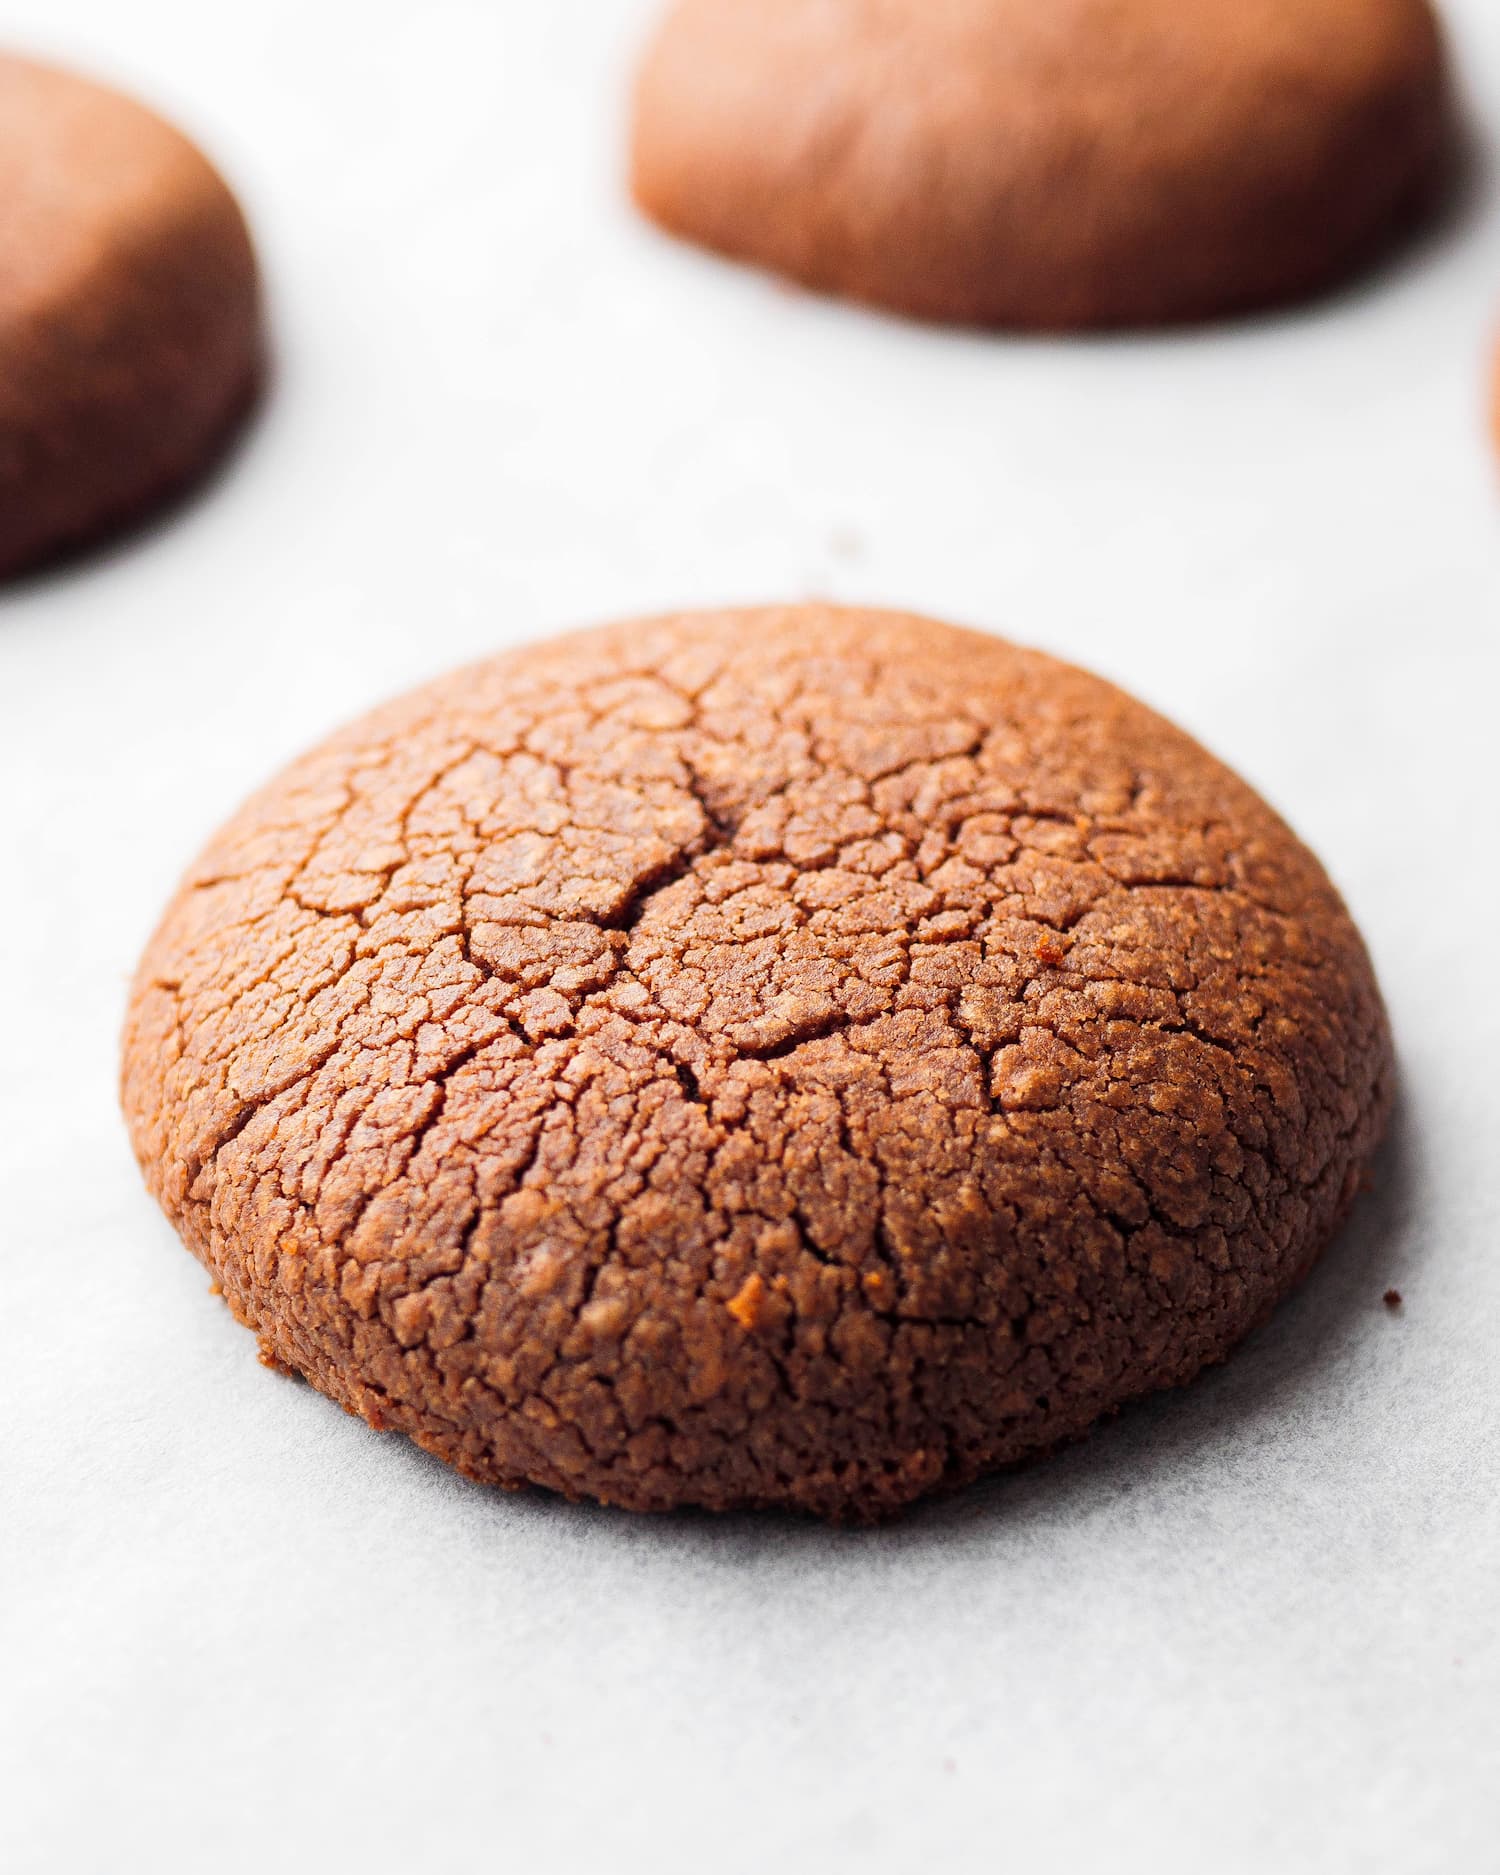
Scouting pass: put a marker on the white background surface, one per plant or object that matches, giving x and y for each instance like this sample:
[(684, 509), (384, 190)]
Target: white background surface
[(1253, 1627)]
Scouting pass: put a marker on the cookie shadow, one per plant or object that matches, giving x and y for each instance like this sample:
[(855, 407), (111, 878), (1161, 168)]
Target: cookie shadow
[(1289, 1373)]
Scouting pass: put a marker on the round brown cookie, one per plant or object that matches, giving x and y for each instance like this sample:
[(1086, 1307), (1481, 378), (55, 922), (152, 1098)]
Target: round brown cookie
[(129, 312), (1062, 164), (793, 1057)]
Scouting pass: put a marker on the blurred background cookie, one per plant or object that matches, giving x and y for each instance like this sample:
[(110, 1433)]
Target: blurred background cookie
[(1495, 392), (1069, 164), (130, 332)]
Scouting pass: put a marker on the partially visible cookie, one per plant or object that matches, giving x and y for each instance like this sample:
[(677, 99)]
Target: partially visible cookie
[(1495, 394), (129, 312), (1045, 163), (798, 1057)]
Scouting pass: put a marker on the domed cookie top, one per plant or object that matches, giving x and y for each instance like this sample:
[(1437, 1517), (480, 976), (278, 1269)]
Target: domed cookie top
[(129, 317), (1061, 164), (794, 1057)]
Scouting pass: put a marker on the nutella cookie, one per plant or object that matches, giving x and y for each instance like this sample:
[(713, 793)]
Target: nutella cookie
[(1062, 164), (798, 1057), (129, 313)]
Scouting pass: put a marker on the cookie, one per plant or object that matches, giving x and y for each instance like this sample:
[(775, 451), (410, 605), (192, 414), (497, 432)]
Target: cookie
[(801, 1057), (129, 312), (1495, 394), (1071, 164)]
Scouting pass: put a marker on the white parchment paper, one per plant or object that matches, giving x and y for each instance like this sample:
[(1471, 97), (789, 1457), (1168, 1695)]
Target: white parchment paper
[(1252, 1627)]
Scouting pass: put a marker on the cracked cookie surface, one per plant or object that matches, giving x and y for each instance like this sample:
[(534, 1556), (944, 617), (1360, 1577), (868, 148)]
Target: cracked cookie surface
[(130, 326), (1046, 164), (800, 1057)]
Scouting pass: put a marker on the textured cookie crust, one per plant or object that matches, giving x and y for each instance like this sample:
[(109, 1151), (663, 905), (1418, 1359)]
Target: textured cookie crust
[(1045, 163), (129, 312), (793, 1057)]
